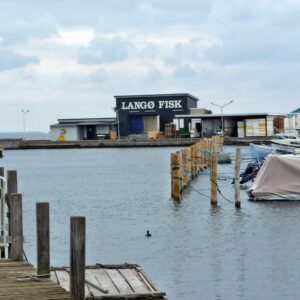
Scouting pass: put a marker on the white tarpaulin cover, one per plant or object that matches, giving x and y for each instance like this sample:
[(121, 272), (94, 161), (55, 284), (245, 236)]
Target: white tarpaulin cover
[(278, 179)]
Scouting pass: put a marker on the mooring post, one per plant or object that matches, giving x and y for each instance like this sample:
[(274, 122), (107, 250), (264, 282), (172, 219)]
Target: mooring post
[(214, 175), (43, 239), (192, 161), (16, 223), (189, 163), (77, 258), (12, 188), (12, 182), (176, 176), (2, 216), (237, 178), (185, 178)]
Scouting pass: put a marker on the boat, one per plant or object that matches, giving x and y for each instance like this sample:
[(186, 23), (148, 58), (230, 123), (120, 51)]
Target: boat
[(277, 179), (285, 146), (259, 152)]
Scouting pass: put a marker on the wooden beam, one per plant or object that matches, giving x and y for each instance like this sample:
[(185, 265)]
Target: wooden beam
[(16, 222), (43, 239), (77, 258)]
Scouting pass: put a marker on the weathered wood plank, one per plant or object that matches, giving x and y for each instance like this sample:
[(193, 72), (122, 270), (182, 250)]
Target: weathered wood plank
[(135, 282), (119, 281), (14, 286), (105, 281)]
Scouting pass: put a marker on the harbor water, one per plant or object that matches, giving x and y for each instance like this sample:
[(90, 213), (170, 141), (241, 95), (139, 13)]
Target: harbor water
[(195, 252)]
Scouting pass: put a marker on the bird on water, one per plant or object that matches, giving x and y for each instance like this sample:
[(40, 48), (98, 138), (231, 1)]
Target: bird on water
[(148, 234)]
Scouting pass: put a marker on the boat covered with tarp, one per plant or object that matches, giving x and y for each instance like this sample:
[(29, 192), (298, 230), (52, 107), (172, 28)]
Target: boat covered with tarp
[(277, 179)]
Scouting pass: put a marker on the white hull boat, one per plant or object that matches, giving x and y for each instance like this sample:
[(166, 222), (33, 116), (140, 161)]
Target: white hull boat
[(291, 146)]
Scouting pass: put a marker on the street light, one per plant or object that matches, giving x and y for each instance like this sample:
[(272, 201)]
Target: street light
[(222, 106), (118, 121), (24, 112)]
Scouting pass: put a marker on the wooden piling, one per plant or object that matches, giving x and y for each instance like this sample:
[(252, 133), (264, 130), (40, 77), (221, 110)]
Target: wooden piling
[(237, 178), (77, 258), (214, 176), (43, 239), (12, 182), (176, 176), (189, 164), (16, 223), (193, 161), (185, 175), (2, 216)]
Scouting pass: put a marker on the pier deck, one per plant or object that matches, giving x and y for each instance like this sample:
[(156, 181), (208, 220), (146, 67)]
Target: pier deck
[(13, 289)]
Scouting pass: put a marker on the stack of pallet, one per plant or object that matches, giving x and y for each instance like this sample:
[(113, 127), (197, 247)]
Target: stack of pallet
[(170, 130)]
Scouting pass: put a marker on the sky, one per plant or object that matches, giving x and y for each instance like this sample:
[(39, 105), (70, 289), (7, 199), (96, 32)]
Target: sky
[(67, 59)]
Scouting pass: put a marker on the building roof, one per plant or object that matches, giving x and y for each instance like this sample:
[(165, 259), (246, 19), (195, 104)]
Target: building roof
[(227, 115), (84, 122), (156, 95), (296, 111), (91, 121)]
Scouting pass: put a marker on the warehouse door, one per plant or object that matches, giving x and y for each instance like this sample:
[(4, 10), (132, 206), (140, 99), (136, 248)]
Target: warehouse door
[(91, 132), (151, 123), (136, 124)]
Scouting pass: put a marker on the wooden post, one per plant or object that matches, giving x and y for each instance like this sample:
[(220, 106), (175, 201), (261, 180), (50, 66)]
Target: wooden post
[(12, 188), (185, 178), (12, 182), (2, 216), (193, 163), (189, 164), (214, 176), (16, 223), (43, 239), (237, 178), (77, 258), (201, 153), (176, 176)]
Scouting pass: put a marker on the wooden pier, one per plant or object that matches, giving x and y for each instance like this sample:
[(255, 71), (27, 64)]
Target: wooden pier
[(20, 280), (17, 282)]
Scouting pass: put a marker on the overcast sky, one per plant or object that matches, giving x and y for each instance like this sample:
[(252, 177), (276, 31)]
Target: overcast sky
[(67, 59)]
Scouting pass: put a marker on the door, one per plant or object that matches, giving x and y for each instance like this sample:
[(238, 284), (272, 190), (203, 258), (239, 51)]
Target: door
[(136, 124), (91, 132)]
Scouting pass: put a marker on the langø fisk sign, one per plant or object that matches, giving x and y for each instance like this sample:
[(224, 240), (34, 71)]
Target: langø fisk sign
[(151, 105)]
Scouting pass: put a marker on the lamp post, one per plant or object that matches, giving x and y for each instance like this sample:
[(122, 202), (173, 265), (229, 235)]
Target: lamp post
[(24, 112), (222, 106), (118, 121)]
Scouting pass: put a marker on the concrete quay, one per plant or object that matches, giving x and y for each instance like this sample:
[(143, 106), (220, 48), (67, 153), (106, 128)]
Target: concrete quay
[(19, 144)]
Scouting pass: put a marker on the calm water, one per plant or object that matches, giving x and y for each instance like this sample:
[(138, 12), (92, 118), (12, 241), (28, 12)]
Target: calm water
[(195, 252)]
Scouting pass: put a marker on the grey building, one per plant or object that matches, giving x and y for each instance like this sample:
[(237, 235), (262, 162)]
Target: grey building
[(82, 129), (236, 125)]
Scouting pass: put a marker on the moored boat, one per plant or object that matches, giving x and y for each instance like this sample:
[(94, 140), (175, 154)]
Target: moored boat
[(286, 146), (277, 179), (259, 152)]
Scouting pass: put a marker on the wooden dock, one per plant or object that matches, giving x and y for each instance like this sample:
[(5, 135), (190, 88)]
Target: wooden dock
[(20, 280), (18, 283), (108, 282)]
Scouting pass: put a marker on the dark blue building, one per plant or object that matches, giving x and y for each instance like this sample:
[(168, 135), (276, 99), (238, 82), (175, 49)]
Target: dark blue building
[(138, 114)]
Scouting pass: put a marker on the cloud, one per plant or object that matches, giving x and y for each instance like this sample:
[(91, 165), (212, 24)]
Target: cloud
[(10, 60), (185, 71), (104, 50)]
